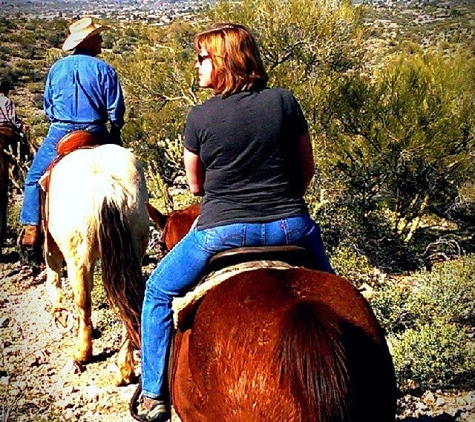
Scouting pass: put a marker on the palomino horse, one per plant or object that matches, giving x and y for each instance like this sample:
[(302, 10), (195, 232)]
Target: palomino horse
[(96, 209), (290, 344)]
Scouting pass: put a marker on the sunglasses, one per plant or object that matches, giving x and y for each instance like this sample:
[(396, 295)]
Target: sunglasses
[(202, 58)]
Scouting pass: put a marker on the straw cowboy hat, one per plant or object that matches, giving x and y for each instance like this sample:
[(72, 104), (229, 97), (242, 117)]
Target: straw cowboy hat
[(80, 30)]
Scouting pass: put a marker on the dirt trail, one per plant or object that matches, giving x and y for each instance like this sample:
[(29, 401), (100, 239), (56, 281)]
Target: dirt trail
[(39, 382)]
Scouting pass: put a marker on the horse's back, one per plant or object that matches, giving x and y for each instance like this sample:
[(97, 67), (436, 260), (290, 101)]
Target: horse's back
[(244, 329), (89, 164)]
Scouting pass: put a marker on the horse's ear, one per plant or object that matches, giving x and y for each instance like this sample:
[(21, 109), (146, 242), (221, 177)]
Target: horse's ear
[(156, 216)]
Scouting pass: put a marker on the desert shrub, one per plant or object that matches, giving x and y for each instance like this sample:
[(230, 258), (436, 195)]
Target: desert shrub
[(36, 87), (38, 101), (434, 355), (390, 303), (447, 292), (55, 39), (9, 73), (24, 65), (346, 224), (351, 264), (13, 217), (5, 49), (429, 318), (36, 75), (31, 26), (28, 52)]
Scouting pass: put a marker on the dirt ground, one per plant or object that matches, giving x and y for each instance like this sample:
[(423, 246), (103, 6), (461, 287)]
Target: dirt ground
[(38, 379), (39, 382)]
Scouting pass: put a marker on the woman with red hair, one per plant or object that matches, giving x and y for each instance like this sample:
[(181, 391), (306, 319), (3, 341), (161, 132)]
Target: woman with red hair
[(247, 152)]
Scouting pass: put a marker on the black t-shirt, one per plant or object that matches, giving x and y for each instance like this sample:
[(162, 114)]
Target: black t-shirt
[(248, 143)]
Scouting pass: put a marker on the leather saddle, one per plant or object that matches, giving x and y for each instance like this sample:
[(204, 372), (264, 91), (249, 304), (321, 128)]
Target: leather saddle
[(6, 135), (76, 140), (67, 144), (290, 254), (232, 261)]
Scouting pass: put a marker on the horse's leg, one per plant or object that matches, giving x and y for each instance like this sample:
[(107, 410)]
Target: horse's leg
[(125, 361), (81, 279), (54, 265)]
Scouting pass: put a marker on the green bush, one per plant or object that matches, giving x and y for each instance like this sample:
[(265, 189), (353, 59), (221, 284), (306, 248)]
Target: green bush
[(10, 74), (435, 355), (429, 319), (38, 101), (447, 292), (13, 217), (390, 303), (352, 265), (346, 224)]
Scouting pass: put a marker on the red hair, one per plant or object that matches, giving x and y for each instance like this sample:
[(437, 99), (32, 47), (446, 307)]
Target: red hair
[(237, 64)]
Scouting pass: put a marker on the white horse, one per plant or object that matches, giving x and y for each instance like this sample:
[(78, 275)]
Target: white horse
[(96, 208)]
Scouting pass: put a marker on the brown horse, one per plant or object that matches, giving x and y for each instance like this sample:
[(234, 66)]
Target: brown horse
[(272, 344)]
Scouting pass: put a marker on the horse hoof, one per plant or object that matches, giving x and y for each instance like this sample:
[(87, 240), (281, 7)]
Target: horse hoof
[(78, 367), (82, 357), (127, 379), (72, 367)]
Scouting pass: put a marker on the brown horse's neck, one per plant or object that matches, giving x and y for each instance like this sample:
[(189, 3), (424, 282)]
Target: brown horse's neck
[(174, 225)]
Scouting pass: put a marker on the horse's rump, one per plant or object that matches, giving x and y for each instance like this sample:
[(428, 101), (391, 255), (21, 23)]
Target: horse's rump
[(85, 181), (291, 345), (176, 224)]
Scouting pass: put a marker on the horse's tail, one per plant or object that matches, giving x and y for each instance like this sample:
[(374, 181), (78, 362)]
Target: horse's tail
[(312, 363), (121, 266)]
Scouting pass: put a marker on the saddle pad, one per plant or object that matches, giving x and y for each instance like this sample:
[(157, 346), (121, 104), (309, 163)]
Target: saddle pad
[(186, 305)]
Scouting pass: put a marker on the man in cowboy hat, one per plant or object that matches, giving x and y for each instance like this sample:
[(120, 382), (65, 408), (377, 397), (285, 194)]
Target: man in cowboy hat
[(82, 92)]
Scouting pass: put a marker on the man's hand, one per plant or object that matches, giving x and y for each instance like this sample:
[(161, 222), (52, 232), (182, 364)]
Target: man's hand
[(115, 136)]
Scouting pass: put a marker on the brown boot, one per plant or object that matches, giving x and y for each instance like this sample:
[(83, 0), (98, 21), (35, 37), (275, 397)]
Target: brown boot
[(29, 236)]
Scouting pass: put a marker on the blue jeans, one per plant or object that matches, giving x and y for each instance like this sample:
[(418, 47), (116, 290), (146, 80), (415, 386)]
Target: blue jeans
[(30, 212), (185, 265)]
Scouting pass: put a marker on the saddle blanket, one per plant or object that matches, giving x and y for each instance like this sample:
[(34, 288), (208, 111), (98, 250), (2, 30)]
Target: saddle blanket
[(184, 306)]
